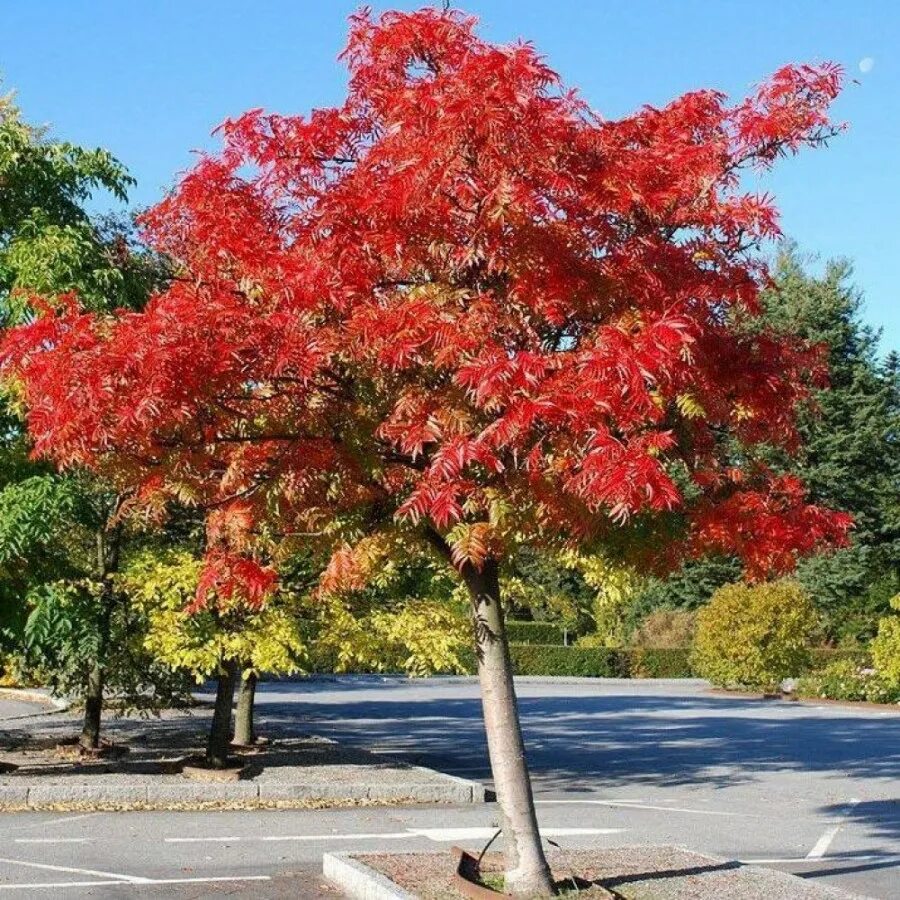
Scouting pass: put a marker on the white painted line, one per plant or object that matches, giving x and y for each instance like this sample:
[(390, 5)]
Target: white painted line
[(443, 835), (438, 835), (805, 859), (63, 821), (212, 879), (53, 840), (362, 836), (630, 804), (130, 879), (824, 842), (43, 885), (31, 885)]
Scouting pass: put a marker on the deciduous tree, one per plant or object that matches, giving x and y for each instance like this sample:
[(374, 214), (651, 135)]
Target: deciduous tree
[(464, 306)]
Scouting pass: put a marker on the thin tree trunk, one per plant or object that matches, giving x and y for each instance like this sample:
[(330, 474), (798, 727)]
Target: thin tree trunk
[(220, 728), (107, 564), (527, 872), (244, 732), (93, 708)]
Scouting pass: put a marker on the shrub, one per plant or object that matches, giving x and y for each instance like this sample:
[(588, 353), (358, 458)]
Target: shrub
[(754, 636), (544, 659), (660, 662), (886, 646), (666, 629), (534, 633), (820, 657), (845, 680)]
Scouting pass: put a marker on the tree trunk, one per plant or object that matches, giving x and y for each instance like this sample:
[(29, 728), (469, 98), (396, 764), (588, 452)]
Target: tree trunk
[(220, 729), (527, 872), (244, 733), (93, 708), (107, 563)]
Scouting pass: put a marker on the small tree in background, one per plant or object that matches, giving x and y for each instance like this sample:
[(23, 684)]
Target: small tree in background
[(59, 541), (754, 635), (229, 642), (461, 309)]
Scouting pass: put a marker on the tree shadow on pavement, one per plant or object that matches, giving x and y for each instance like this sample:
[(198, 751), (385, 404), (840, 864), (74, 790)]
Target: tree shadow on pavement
[(580, 743)]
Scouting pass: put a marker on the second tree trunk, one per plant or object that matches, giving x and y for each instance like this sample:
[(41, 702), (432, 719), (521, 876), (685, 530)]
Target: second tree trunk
[(220, 727), (244, 731)]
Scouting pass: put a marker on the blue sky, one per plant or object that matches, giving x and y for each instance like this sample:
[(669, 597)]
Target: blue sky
[(149, 80)]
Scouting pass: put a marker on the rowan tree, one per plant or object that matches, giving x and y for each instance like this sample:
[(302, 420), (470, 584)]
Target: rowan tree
[(465, 307)]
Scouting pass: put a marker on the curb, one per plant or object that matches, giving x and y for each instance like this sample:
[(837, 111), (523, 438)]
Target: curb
[(451, 791), (28, 695), (361, 882), (358, 881)]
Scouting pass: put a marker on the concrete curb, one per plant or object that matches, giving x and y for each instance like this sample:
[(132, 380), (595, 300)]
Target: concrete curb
[(361, 882), (358, 881), (29, 695), (450, 790)]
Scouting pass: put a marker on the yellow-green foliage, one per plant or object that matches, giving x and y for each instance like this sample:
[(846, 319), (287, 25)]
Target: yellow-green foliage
[(269, 640), (616, 586), (754, 636), (418, 637), (886, 646)]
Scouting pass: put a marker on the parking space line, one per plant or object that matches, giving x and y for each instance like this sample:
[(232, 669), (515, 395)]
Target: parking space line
[(629, 804), (437, 835), (824, 842), (130, 879), (45, 885), (69, 840)]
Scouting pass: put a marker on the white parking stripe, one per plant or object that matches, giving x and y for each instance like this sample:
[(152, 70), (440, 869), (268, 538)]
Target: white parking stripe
[(25, 885), (824, 842), (52, 840), (130, 879), (630, 804), (438, 835)]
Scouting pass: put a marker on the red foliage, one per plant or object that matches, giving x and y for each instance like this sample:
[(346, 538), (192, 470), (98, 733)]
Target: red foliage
[(461, 284)]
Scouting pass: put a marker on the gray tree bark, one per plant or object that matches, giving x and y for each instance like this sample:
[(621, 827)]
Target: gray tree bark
[(244, 731), (107, 564), (527, 873), (220, 727)]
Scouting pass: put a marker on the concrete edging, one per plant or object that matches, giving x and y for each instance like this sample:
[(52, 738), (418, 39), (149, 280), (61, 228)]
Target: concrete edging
[(358, 880), (449, 791)]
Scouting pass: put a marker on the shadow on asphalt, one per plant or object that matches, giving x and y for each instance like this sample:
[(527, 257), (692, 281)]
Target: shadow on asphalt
[(575, 743)]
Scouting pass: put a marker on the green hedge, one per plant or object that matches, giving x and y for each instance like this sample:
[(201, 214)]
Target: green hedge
[(534, 633), (548, 659), (595, 662), (603, 662)]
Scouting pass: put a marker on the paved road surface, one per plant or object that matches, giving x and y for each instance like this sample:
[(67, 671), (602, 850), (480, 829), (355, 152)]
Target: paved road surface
[(811, 790)]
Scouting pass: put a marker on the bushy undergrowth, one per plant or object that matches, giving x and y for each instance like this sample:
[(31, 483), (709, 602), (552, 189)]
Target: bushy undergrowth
[(845, 680), (754, 635)]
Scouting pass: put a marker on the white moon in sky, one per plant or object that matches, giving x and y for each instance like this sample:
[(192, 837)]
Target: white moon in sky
[(866, 64)]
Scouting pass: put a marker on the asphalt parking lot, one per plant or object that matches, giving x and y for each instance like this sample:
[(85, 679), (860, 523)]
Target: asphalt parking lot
[(808, 789)]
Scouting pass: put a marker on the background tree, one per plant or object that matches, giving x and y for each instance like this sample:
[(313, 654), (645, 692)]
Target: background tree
[(463, 310), (226, 641), (59, 543), (849, 458)]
